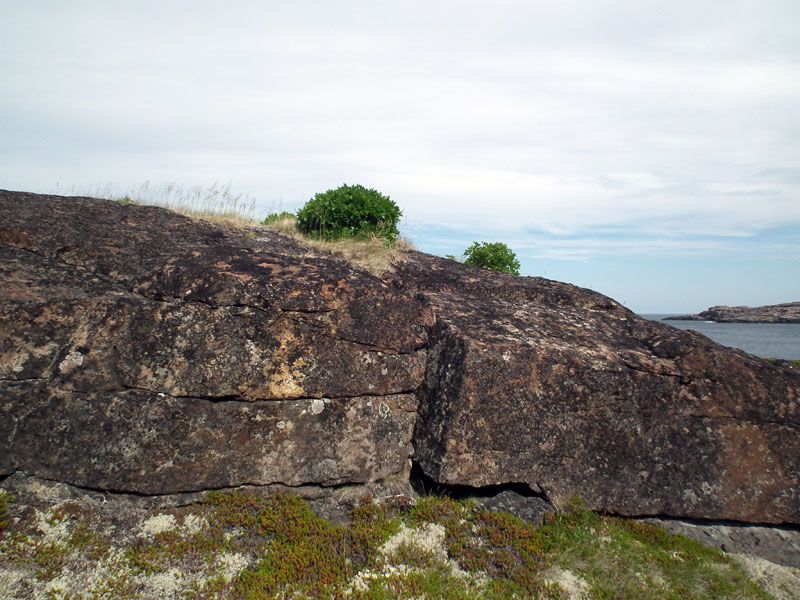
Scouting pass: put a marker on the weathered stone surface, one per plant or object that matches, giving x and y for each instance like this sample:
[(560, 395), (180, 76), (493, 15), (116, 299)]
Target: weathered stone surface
[(142, 351), (146, 352), (533, 381), (774, 313), (137, 441), (775, 544)]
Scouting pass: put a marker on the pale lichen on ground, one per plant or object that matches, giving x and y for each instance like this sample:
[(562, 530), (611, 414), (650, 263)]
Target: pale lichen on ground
[(780, 581), (63, 545)]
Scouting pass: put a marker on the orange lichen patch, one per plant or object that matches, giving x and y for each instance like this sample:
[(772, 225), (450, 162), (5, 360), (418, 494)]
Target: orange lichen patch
[(331, 292), (240, 276), (14, 237), (131, 224), (285, 377)]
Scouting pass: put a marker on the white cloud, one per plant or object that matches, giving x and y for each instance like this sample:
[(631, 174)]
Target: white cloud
[(663, 118)]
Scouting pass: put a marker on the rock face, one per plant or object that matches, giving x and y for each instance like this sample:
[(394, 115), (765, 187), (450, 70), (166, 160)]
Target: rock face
[(146, 352), (775, 313), (563, 389)]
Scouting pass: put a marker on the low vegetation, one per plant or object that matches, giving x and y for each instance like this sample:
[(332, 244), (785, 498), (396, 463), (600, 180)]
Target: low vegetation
[(235, 545), (492, 255), (781, 362), (350, 211), (351, 222), (216, 202)]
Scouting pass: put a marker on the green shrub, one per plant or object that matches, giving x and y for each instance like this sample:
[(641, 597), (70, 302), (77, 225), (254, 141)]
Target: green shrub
[(276, 217), (495, 256), (350, 212)]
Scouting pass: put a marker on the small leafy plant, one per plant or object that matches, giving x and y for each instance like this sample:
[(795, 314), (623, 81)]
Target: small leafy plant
[(492, 255), (4, 501), (350, 212)]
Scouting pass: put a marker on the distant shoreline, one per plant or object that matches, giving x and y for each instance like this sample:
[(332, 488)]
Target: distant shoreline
[(775, 313)]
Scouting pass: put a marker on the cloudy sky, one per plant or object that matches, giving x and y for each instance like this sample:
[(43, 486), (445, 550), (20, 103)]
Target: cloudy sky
[(648, 150)]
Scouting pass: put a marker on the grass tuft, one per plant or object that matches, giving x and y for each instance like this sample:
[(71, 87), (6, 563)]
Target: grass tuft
[(218, 204)]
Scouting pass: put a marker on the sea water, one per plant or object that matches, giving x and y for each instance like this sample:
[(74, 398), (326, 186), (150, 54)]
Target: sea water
[(767, 340)]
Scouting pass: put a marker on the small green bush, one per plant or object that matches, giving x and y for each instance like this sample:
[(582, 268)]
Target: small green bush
[(276, 217), (350, 212), (495, 256)]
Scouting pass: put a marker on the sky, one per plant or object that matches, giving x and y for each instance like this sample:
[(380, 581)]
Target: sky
[(647, 150)]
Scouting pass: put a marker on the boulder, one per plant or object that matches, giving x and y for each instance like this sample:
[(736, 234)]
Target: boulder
[(147, 352), (538, 382)]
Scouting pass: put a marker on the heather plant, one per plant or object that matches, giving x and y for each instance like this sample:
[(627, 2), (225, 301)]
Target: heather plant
[(350, 212), (492, 255), (247, 547)]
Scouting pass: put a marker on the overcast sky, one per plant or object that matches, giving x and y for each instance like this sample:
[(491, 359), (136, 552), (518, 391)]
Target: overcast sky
[(649, 150)]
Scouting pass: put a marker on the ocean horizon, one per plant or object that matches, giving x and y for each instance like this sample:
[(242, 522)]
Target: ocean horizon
[(766, 340)]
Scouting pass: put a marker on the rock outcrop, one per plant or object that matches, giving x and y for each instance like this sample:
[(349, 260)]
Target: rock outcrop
[(774, 313), (537, 382), (147, 352)]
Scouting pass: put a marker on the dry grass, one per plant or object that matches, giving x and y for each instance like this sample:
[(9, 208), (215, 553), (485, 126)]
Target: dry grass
[(213, 201), (219, 205), (372, 255)]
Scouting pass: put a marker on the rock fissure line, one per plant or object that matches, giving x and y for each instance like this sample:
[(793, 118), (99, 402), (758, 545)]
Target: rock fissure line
[(191, 492), (237, 398), (423, 484), (178, 301), (712, 522), (653, 372), (320, 329), (322, 311)]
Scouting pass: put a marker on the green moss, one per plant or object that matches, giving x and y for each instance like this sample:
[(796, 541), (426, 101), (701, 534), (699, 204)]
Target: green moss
[(620, 558), (309, 555), (5, 500), (455, 551)]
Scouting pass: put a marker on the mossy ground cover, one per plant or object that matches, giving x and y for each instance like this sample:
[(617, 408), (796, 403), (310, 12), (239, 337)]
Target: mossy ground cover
[(235, 545)]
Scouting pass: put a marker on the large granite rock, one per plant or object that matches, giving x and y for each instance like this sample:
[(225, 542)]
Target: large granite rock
[(774, 313), (146, 352), (533, 381)]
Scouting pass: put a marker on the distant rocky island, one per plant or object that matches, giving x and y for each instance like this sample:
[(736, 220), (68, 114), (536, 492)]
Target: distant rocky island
[(775, 313)]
